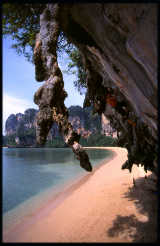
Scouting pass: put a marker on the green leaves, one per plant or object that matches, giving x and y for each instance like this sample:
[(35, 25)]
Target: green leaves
[(97, 139), (76, 63), (21, 22)]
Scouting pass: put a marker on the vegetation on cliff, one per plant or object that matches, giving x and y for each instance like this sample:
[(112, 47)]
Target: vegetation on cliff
[(21, 129)]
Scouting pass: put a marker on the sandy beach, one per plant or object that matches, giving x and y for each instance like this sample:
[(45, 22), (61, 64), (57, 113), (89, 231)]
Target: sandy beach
[(107, 205)]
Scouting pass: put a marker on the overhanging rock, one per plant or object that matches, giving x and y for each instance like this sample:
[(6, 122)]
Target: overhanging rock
[(118, 44)]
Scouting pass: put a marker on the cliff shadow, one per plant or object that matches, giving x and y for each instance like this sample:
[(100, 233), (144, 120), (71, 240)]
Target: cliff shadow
[(143, 228)]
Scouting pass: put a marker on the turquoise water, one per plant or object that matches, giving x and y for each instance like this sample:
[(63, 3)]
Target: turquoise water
[(31, 173)]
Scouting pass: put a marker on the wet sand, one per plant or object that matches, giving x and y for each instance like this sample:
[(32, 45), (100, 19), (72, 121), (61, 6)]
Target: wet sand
[(103, 206)]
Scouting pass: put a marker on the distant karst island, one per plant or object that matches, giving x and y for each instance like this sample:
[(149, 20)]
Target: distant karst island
[(20, 129)]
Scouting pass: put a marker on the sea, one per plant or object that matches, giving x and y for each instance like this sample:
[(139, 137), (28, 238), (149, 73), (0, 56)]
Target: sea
[(31, 176)]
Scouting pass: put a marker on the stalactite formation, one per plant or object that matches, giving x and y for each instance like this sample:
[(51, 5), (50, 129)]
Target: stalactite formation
[(133, 133), (119, 57), (50, 96)]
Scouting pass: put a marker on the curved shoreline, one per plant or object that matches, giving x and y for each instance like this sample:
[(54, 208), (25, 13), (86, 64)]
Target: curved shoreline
[(83, 211), (57, 197)]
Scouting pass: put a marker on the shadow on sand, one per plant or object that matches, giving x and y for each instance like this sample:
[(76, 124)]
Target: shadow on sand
[(142, 228)]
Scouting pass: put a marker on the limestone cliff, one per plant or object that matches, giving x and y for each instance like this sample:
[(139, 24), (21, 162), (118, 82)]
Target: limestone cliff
[(118, 44), (22, 127)]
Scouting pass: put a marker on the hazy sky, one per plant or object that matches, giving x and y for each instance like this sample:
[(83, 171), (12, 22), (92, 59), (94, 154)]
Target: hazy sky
[(19, 84)]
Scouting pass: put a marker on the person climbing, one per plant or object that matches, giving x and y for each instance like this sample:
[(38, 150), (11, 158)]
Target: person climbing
[(120, 106), (131, 122), (110, 98)]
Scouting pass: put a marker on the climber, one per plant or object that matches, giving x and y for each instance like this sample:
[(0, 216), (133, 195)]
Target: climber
[(131, 122), (120, 106), (111, 99)]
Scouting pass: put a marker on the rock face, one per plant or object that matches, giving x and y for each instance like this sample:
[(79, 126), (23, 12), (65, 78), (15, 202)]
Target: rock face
[(23, 126), (83, 122), (11, 123), (106, 127), (118, 45)]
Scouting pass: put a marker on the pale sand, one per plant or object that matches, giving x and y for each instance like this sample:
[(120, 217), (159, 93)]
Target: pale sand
[(104, 206)]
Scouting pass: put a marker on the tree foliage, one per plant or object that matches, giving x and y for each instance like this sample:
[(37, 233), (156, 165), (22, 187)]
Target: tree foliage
[(22, 23), (75, 66), (9, 140), (97, 139)]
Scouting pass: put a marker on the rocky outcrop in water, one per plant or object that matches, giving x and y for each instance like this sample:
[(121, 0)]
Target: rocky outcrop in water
[(118, 44)]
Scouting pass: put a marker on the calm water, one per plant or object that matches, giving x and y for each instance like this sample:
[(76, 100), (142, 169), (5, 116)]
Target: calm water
[(31, 172)]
